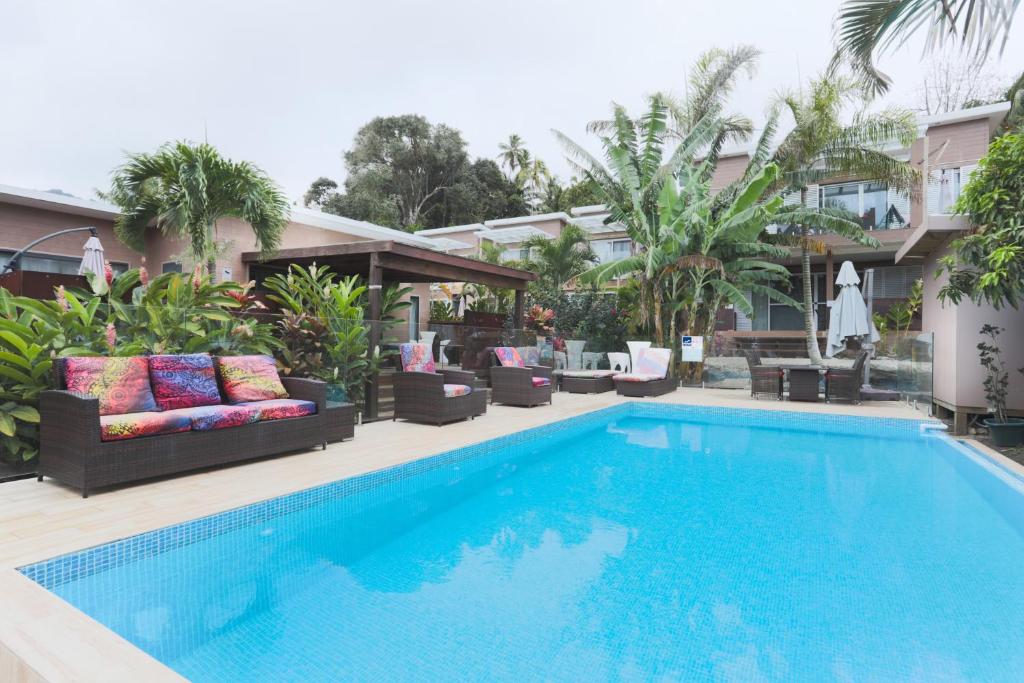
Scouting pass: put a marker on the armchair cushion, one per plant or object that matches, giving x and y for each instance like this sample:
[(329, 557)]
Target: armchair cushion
[(120, 384), (540, 381), (509, 357), (588, 374), (250, 378), (417, 358), (184, 381), (133, 425), (653, 361), (205, 418), (452, 390), (529, 354), (282, 408)]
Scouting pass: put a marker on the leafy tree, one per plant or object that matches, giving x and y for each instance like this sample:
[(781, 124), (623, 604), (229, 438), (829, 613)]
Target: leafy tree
[(407, 173), (822, 145), (184, 189), (561, 259), (868, 27), (988, 264)]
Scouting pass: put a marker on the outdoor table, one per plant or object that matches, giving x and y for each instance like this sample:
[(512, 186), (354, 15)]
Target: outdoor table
[(803, 381)]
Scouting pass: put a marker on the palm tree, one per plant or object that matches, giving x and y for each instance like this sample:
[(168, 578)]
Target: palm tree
[(184, 189), (822, 145), (867, 27), (514, 155), (561, 259)]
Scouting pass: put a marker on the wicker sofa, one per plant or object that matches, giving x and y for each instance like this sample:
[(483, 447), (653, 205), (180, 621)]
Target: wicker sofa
[(423, 394), (650, 375), (87, 447), (515, 383)]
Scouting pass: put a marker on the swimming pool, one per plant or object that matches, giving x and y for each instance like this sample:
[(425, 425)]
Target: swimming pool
[(640, 542)]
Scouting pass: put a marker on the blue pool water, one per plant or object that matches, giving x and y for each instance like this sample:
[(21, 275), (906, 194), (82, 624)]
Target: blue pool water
[(640, 543)]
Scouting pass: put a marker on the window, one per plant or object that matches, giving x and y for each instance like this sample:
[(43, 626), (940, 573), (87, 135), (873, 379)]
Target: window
[(44, 263), (171, 267), (611, 250), (868, 200)]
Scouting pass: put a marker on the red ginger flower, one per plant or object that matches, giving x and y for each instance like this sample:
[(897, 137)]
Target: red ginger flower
[(108, 273)]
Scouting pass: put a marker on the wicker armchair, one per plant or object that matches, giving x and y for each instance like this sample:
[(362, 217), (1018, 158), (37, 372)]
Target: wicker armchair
[(844, 383), (765, 380), (420, 390), (519, 386)]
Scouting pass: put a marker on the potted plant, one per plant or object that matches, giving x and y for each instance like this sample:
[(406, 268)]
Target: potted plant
[(1005, 431)]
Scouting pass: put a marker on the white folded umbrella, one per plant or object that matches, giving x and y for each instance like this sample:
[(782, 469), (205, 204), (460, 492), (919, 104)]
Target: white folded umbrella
[(849, 316), (92, 260)]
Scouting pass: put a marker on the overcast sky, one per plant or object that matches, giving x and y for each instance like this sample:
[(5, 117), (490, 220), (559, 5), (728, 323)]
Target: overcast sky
[(286, 85)]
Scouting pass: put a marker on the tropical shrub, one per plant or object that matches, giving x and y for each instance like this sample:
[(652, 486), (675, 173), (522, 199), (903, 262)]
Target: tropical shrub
[(988, 264)]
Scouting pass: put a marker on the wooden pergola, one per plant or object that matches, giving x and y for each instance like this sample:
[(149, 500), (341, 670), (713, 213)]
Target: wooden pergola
[(381, 261)]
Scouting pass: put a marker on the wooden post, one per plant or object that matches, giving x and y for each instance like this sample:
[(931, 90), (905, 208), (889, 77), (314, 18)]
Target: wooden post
[(518, 312), (830, 279), (376, 282)]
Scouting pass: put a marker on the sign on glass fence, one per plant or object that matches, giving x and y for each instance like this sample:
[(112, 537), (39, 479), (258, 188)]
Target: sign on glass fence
[(693, 349)]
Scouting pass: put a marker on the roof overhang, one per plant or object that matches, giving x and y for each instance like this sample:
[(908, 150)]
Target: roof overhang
[(52, 201), (514, 235), (398, 262), (931, 236), (519, 220), (595, 225)]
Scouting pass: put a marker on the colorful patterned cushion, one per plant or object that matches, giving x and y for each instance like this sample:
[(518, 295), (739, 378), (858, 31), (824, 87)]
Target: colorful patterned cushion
[(540, 381), (205, 418), (653, 361), (120, 384), (250, 378), (417, 358), (132, 425), (451, 390), (637, 377), (509, 357), (282, 408), (184, 381)]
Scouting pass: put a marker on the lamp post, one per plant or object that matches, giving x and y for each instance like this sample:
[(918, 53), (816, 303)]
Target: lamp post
[(15, 261)]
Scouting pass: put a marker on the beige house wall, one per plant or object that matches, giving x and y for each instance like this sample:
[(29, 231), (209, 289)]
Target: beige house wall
[(955, 144), (957, 373), (20, 225), (728, 169)]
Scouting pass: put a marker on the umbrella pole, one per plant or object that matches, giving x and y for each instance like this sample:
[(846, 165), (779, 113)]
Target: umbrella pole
[(869, 285)]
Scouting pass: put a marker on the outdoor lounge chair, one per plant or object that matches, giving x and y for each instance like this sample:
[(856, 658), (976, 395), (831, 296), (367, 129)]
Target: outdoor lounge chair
[(587, 381), (515, 383), (844, 384), (422, 394), (649, 376), (119, 420), (765, 380)]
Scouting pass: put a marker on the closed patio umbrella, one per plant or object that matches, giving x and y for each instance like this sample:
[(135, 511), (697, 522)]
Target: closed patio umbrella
[(849, 317), (92, 260)]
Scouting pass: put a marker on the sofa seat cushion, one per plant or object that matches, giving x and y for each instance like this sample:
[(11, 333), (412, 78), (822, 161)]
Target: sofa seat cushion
[(588, 374), (133, 425), (250, 378), (540, 381), (637, 377), (282, 408), (184, 381), (205, 418), (121, 384), (653, 361), (452, 390)]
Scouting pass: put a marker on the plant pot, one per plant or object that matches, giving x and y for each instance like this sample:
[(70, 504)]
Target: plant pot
[(1006, 434)]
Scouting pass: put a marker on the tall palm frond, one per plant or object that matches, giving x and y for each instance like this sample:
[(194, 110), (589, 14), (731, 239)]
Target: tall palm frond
[(866, 28)]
